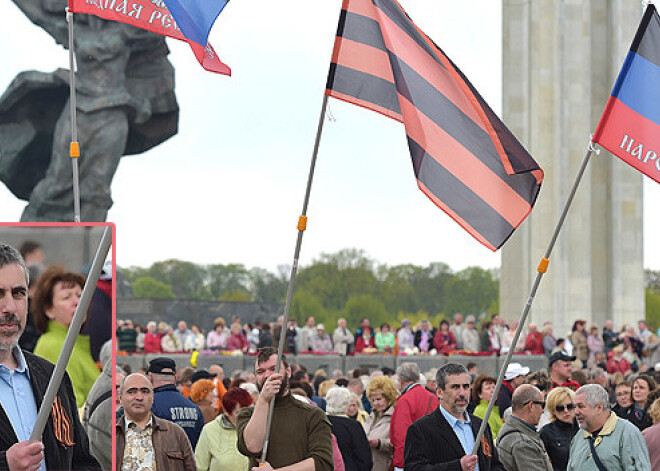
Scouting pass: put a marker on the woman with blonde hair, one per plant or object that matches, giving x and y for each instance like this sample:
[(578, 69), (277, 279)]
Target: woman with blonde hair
[(557, 435), (382, 394)]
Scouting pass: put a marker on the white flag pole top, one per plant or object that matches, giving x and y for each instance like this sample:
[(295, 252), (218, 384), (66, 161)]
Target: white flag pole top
[(542, 268), (72, 335), (74, 148)]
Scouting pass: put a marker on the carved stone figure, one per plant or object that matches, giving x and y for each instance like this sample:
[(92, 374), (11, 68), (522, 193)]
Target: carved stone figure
[(125, 105)]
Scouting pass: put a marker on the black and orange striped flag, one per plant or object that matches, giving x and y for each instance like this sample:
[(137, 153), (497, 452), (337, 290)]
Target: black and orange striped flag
[(465, 159)]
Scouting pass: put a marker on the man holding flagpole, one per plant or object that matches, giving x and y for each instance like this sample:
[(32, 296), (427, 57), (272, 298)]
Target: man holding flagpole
[(303, 441), (24, 378)]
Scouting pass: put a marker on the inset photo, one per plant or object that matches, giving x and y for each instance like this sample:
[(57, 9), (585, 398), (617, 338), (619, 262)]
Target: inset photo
[(57, 305)]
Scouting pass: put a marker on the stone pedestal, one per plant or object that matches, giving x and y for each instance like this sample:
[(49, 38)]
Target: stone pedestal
[(560, 62)]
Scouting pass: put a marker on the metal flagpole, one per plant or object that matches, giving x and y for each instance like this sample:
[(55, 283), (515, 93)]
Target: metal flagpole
[(71, 335), (74, 148), (302, 225), (542, 268)]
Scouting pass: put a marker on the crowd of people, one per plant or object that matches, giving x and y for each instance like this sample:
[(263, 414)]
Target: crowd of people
[(621, 351), (406, 419)]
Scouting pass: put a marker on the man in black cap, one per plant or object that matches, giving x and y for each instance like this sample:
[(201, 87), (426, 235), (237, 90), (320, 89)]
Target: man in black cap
[(201, 374), (170, 404), (561, 369)]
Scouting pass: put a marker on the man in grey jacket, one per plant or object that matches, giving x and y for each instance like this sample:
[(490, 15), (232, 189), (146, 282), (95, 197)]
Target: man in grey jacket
[(518, 443)]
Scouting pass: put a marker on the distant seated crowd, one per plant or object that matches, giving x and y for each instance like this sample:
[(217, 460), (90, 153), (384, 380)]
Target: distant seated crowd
[(623, 350), (543, 410)]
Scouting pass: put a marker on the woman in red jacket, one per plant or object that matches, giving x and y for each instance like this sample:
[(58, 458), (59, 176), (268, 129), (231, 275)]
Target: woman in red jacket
[(152, 339), (366, 340), (443, 340)]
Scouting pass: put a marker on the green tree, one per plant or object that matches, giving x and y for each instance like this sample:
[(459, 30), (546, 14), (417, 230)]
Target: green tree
[(223, 280), (305, 304), (471, 291), (652, 307), (268, 287), (335, 277), (364, 305), (188, 280), (147, 287)]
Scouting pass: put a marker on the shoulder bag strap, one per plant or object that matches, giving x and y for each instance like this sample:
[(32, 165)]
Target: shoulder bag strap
[(599, 463)]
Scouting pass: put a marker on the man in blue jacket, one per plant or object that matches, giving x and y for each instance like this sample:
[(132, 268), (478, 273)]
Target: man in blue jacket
[(169, 403)]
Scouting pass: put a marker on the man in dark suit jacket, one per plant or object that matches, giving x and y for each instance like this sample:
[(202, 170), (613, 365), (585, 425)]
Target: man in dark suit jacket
[(446, 436)]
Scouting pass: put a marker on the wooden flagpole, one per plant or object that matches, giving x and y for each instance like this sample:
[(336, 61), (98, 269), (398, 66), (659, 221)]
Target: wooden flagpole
[(72, 335), (74, 148), (541, 269)]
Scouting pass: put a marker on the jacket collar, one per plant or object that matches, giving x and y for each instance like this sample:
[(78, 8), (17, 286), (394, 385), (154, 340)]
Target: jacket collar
[(607, 429)]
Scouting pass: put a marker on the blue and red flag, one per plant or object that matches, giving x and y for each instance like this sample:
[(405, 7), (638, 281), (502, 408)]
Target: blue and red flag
[(186, 20), (464, 158), (630, 125)]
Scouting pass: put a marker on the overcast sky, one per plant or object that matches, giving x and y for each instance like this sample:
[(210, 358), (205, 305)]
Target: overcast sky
[(230, 186)]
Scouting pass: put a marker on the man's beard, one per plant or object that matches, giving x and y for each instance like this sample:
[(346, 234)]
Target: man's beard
[(10, 340), (284, 388)]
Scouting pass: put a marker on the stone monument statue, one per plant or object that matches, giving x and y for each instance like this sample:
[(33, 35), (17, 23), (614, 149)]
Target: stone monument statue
[(125, 105)]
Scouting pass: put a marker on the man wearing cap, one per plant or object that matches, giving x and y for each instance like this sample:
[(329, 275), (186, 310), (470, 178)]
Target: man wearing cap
[(514, 376), (519, 445), (201, 374), (561, 369), (145, 441), (605, 441), (24, 378), (321, 341), (169, 403)]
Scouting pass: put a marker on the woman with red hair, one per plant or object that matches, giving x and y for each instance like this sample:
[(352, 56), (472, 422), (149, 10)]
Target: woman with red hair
[(205, 395), (216, 449)]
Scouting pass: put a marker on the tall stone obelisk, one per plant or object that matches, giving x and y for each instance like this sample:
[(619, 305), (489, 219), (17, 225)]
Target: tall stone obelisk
[(560, 61)]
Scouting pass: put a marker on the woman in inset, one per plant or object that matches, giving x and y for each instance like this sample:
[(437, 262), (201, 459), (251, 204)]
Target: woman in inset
[(216, 449), (382, 394), (55, 301), (557, 435)]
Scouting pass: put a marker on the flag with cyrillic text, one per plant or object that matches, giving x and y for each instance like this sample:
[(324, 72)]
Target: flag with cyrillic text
[(464, 158), (630, 125), (189, 20)]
